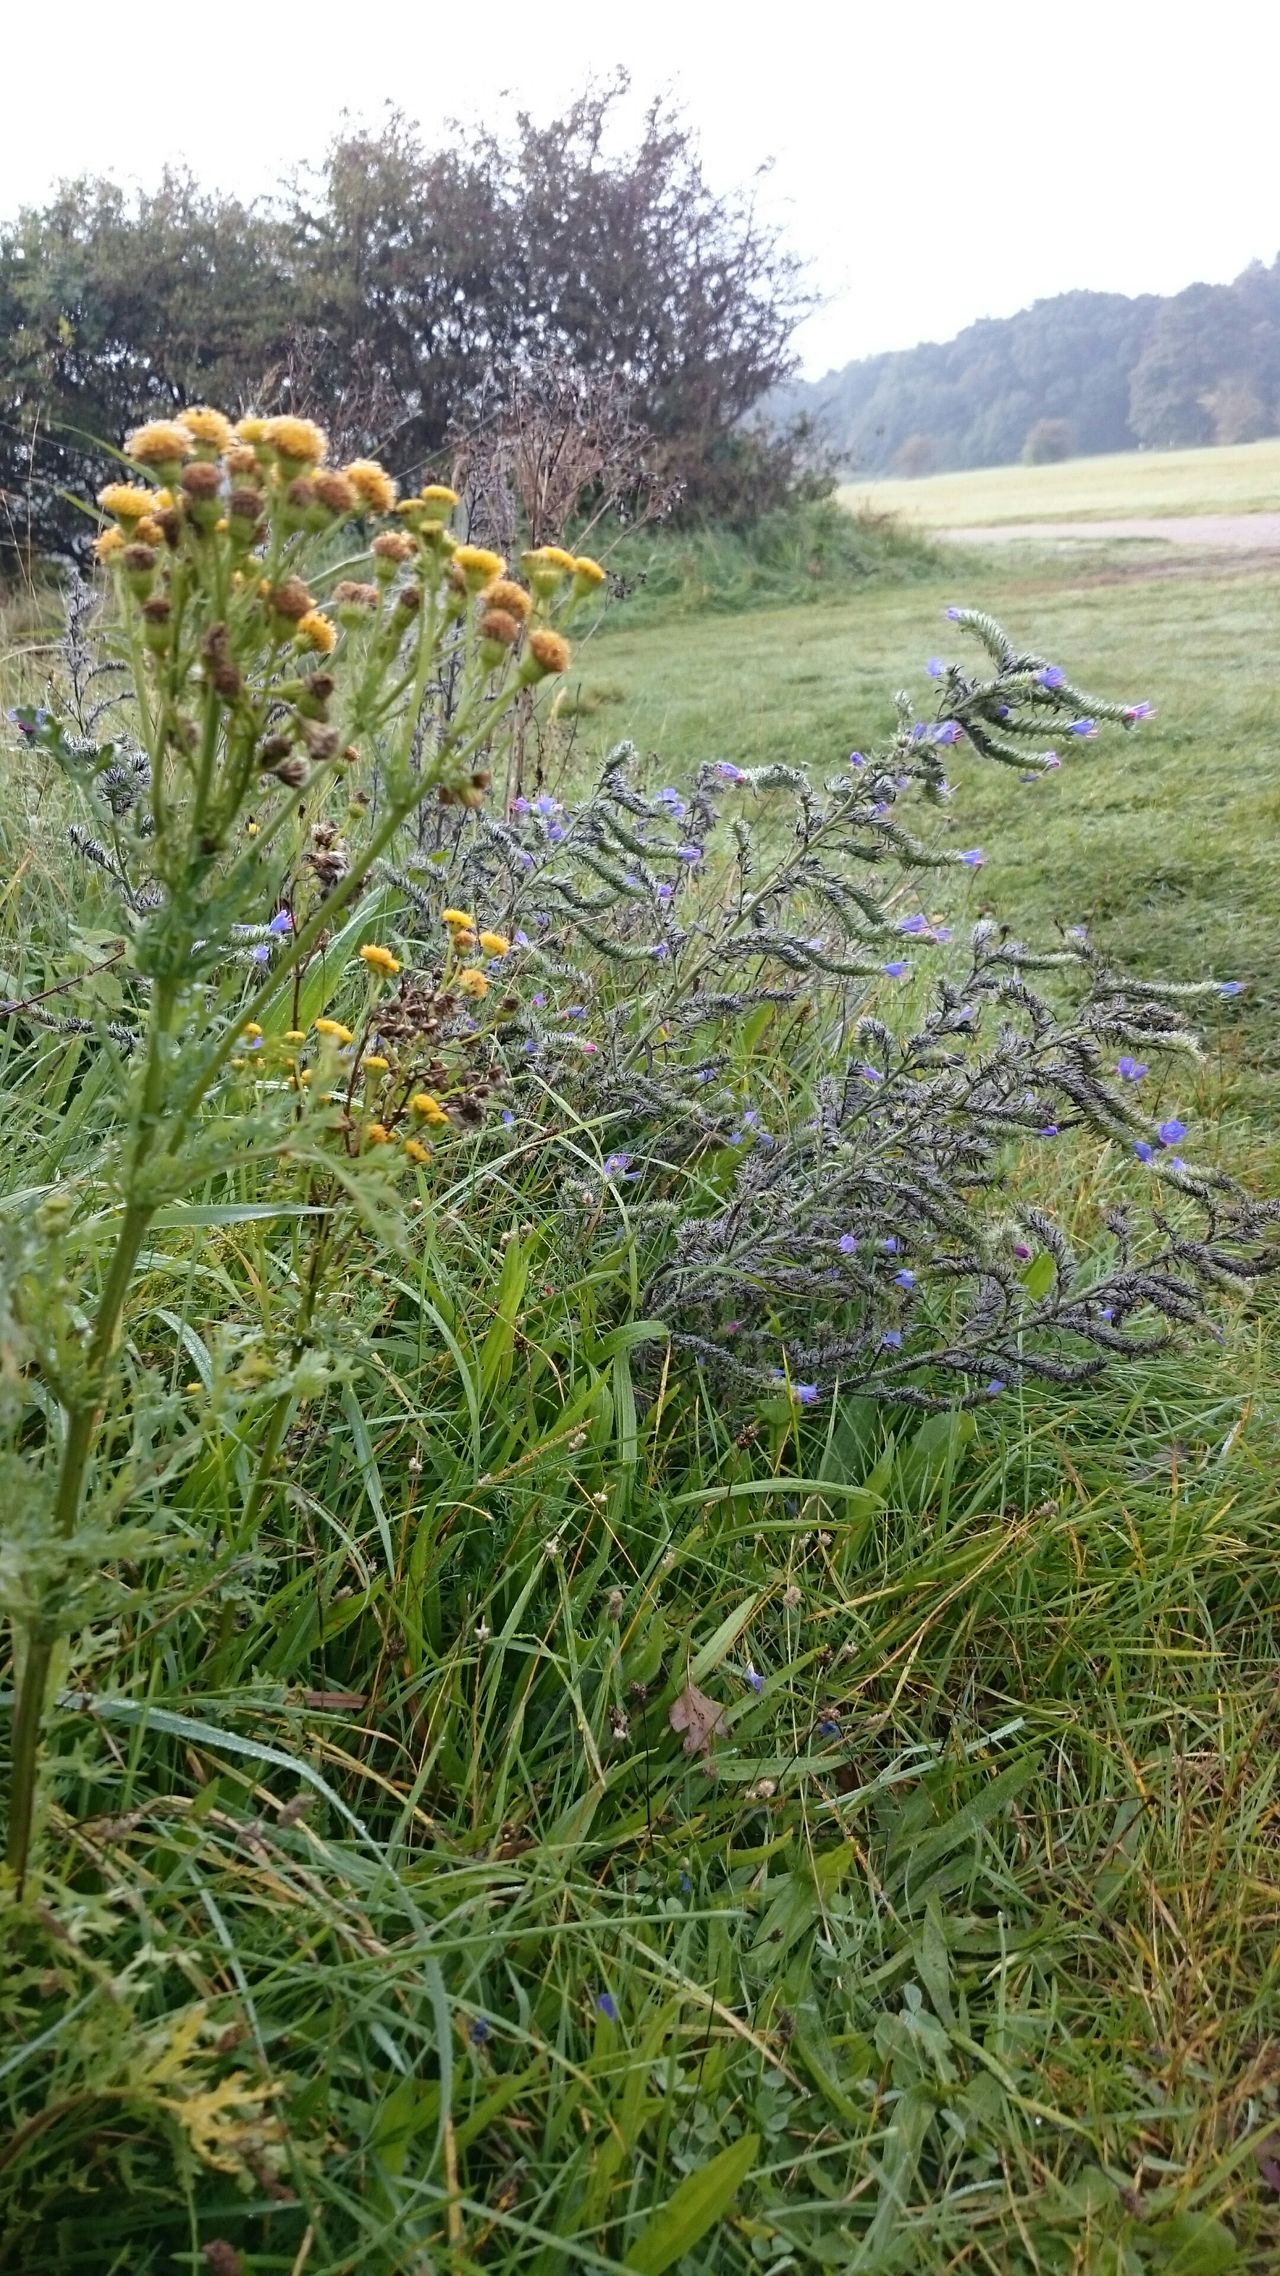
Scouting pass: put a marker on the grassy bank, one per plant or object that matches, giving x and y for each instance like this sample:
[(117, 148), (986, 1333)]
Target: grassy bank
[(1239, 479)]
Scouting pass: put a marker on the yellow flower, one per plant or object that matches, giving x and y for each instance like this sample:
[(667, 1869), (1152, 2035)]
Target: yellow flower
[(375, 1064), (148, 531), (472, 983), (252, 430), (161, 442), (336, 494), (416, 1151), (439, 500), (111, 541), (252, 1030), (547, 652), (316, 631), (205, 425), (587, 572), (301, 441), (505, 594), (251, 829), (372, 484), (377, 1134), (379, 959), (295, 1035), (478, 565), (389, 549), (494, 944), (334, 1029), (429, 1108), (128, 501), (457, 917)]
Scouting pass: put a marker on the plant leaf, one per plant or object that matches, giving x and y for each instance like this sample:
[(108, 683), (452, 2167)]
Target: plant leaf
[(700, 2200)]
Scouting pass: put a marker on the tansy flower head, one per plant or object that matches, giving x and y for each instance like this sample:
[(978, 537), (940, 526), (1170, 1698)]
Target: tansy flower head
[(354, 601), (161, 442), (552, 557), (372, 484), (334, 491), (252, 430), (300, 441), (390, 549), (252, 1030), (439, 500), (495, 944), (472, 983), (497, 630), (375, 1064), (128, 501), (416, 1151), (205, 425), (334, 1030), (457, 917), (243, 463), (587, 572), (148, 531), (430, 1109), (379, 959), (377, 1134), (317, 632), (111, 541), (478, 565), (291, 599), (506, 595), (547, 652), (295, 1035)]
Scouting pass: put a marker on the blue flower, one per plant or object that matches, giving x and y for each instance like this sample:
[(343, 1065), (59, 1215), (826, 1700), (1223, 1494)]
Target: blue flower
[(974, 859), (848, 1244), (1140, 711), (520, 938), (906, 1278), (1230, 987), (260, 954), (856, 759), (1169, 1132), (545, 805), (994, 1386), (828, 1729), (756, 1681), (892, 1246), (508, 1118), (1052, 676), (955, 614), (1108, 1312), (660, 952), (1085, 728), (1050, 759), (282, 922), (895, 970), (892, 1337), (520, 806), (806, 1394), (915, 924), (688, 853), (672, 801), (608, 2006), (1132, 1069), (935, 667), (1143, 1151), (686, 1884), (948, 732), (538, 1001), (1047, 1130), (479, 2031), (555, 832), (1176, 1162), (616, 1165), (727, 771), (942, 932), (664, 893), (576, 1011)]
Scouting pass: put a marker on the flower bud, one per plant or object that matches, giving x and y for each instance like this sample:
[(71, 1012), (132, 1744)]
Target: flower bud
[(139, 565), (291, 600), (498, 633), (292, 772), (390, 552), (547, 653)]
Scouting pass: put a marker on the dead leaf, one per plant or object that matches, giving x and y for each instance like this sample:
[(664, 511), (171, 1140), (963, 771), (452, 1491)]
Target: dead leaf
[(699, 1718)]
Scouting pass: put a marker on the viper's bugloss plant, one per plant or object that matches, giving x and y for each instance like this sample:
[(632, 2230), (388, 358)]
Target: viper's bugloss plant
[(310, 658)]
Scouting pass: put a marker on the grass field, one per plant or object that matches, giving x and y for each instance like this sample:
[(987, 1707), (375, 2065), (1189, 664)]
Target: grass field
[(972, 1942), (1241, 479)]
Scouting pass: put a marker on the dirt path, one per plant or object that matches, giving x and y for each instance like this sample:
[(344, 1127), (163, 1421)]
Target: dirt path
[(1211, 533)]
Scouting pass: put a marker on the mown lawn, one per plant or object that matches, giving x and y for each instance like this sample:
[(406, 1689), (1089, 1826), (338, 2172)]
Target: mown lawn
[(1241, 478)]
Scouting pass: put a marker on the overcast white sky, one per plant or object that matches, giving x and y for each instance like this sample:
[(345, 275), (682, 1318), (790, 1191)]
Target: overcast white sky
[(936, 162)]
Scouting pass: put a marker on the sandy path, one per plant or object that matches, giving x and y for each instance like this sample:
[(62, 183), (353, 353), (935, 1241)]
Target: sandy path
[(1214, 533)]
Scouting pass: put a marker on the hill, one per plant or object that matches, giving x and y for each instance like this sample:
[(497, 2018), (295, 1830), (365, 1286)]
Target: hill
[(1094, 372)]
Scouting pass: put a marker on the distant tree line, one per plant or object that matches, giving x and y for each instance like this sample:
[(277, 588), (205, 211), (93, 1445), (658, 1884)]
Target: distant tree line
[(399, 289), (1083, 372)]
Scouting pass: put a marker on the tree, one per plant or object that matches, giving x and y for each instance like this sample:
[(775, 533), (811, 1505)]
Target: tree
[(1048, 442), (915, 455)]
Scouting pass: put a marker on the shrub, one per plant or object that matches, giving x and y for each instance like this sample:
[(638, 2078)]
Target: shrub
[(1048, 442)]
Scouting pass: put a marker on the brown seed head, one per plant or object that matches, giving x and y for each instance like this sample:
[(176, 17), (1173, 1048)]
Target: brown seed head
[(157, 609), (496, 625), (334, 491), (549, 651), (393, 546), (139, 560), (242, 462), (291, 599), (202, 480), (504, 593)]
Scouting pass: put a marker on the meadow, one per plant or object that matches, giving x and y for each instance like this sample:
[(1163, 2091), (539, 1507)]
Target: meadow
[(1241, 478), (388, 1926)]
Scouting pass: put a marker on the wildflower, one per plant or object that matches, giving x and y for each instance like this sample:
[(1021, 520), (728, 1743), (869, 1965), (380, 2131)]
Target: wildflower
[(547, 653), (508, 1118), (379, 959), (1169, 1132), (456, 917), (1132, 1069), (1084, 728), (608, 2006), (498, 631), (1049, 760), (111, 541), (478, 565), (495, 944), (914, 925), (995, 1386), (299, 442), (892, 1339), (856, 759), (756, 1681), (688, 853), (895, 970), (1143, 1151), (616, 1165), (1107, 1312), (870, 1074), (252, 1030), (294, 1035), (377, 1134), (128, 501), (906, 1278), (375, 1064), (587, 574), (805, 1394), (473, 983), (660, 952), (290, 599), (282, 922), (848, 1244), (1022, 1251), (892, 1245), (672, 802), (828, 1728), (1230, 987), (1047, 1130), (416, 1151), (727, 771), (334, 1031), (511, 598), (791, 1598), (955, 614), (316, 632), (974, 859), (935, 667), (372, 484), (949, 732), (1052, 676), (160, 443), (479, 2031), (1140, 711), (422, 1103)]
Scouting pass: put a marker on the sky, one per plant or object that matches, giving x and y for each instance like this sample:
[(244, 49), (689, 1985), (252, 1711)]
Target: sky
[(933, 163)]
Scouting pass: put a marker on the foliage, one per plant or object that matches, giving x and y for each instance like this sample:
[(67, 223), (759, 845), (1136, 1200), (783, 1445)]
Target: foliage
[(1119, 372), (1048, 442), (793, 554), (403, 277)]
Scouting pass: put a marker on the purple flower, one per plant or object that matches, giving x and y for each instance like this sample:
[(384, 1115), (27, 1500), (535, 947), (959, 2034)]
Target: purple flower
[(282, 922), (1140, 711), (955, 614), (671, 799), (1003, 711), (892, 1246), (479, 2031), (870, 1074), (1052, 676), (555, 832), (942, 932), (892, 1339), (848, 1244), (1169, 1132), (688, 853), (806, 1394), (995, 1386), (949, 732), (1108, 1312), (664, 893), (1132, 1069), (856, 759), (508, 1118), (261, 953), (756, 1681), (616, 1165), (1230, 987), (913, 925), (1047, 1130), (576, 1011), (520, 938), (1021, 1251), (608, 2006), (686, 1884), (935, 667), (727, 771), (1143, 1151), (974, 859), (828, 1728), (544, 805), (895, 970), (1084, 728), (520, 806), (660, 952), (538, 1001), (1176, 1162), (906, 1278), (1049, 760)]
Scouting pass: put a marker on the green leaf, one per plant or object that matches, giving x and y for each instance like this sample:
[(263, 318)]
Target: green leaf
[(1038, 1277), (698, 2203), (1193, 2244)]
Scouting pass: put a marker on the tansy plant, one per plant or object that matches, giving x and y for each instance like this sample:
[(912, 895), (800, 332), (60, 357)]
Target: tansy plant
[(289, 629)]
